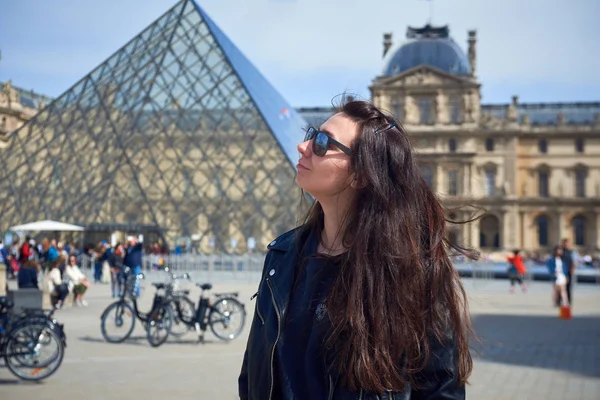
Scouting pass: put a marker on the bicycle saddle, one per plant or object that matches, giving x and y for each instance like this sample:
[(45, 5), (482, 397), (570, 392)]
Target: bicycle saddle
[(159, 285), (204, 286), (5, 302)]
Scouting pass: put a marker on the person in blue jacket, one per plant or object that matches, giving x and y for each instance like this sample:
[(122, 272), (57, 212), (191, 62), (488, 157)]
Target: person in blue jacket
[(133, 259)]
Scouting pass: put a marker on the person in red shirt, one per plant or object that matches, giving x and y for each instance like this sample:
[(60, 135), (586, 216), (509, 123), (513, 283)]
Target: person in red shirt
[(25, 251), (516, 271)]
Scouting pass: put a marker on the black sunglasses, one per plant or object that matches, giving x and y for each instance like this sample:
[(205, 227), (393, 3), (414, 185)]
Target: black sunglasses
[(322, 141)]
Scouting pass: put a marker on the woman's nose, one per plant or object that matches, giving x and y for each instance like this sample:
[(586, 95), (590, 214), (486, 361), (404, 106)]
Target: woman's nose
[(304, 148)]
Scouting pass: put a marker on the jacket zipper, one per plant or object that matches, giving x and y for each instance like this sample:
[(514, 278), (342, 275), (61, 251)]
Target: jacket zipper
[(262, 320), (276, 339), (360, 394), (330, 397)]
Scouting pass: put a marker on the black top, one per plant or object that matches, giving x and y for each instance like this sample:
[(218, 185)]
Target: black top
[(300, 354)]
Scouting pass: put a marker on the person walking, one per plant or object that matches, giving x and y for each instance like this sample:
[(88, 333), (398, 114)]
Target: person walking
[(361, 301), (516, 271)]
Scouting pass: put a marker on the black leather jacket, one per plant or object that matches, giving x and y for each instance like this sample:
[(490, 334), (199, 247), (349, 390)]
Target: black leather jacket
[(256, 380)]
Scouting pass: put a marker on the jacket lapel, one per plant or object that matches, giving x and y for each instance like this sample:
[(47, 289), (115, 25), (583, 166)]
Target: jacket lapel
[(281, 269)]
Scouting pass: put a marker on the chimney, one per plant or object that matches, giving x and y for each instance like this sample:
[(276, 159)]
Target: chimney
[(387, 43), (472, 51)]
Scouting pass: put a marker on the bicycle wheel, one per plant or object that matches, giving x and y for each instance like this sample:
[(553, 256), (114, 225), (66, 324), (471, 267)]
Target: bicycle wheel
[(227, 318), (33, 351), (123, 319), (187, 309), (160, 321)]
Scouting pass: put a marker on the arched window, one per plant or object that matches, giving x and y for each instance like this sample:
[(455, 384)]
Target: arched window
[(489, 231), (542, 228), (579, 230)]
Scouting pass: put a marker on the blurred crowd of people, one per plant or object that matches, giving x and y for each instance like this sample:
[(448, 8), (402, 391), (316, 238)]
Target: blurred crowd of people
[(58, 266)]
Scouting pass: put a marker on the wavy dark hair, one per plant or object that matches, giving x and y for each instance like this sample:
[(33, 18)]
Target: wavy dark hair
[(397, 293)]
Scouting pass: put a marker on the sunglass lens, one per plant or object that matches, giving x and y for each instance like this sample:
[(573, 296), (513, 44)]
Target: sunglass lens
[(321, 144), (310, 133)]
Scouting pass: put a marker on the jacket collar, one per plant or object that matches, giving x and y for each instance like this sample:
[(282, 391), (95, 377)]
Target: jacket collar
[(284, 242)]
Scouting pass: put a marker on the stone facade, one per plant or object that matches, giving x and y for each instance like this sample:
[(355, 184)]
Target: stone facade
[(534, 168), (17, 106)]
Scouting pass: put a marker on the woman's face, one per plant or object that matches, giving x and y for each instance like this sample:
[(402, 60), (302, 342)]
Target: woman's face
[(72, 261), (328, 175)]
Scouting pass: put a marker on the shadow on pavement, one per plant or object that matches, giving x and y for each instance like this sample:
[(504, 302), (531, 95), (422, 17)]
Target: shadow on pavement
[(141, 340), (547, 342)]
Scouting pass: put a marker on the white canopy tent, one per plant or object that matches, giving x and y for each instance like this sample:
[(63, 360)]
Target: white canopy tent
[(47, 226)]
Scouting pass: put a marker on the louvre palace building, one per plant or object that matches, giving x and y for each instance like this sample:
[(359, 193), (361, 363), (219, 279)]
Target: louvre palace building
[(179, 137)]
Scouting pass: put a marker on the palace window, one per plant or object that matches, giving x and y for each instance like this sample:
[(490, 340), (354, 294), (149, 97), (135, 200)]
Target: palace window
[(453, 183), (455, 109), (579, 145), (542, 228), (398, 109), (489, 144), (579, 230), (543, 183), (543, 146), (580, 176), (427, 174), (490, 181), (452, 145), (426, 111)]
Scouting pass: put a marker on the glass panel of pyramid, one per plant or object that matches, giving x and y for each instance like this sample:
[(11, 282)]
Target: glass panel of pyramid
[(177, 130)]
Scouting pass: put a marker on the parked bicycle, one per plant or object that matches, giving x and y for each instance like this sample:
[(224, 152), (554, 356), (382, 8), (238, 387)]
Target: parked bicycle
[(226, 316), (123, 313), (32, 343)]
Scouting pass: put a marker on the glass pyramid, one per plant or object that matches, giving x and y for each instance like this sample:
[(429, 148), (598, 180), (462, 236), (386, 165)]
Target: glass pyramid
[(177, 131)]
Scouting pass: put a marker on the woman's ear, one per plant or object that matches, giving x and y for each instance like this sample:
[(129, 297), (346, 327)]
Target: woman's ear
[(355, 184)]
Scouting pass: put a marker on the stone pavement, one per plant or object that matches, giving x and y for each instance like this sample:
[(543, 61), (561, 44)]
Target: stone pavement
[(526, 352)]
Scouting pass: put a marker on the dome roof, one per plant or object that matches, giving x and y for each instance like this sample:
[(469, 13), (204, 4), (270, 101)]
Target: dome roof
[(427, 47)]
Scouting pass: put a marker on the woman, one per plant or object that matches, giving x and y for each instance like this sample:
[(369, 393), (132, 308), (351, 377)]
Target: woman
[(28, 275), (516, 271), (559, 271), (56, 287), (361, 300), (78, 279)]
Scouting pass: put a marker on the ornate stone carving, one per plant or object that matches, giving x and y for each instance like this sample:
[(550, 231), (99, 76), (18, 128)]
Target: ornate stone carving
[(511, 113), (526, 120), (421, 78)]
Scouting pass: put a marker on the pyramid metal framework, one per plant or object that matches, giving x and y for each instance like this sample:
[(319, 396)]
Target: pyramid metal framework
[(176, 130)]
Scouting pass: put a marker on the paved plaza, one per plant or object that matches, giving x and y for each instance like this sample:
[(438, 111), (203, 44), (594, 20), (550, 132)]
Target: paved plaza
[(526, 352)]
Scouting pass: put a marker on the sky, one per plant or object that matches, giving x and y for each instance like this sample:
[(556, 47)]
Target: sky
[(313, 50)]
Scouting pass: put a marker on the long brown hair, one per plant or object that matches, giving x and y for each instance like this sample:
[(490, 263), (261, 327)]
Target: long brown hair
[(397, 292)]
